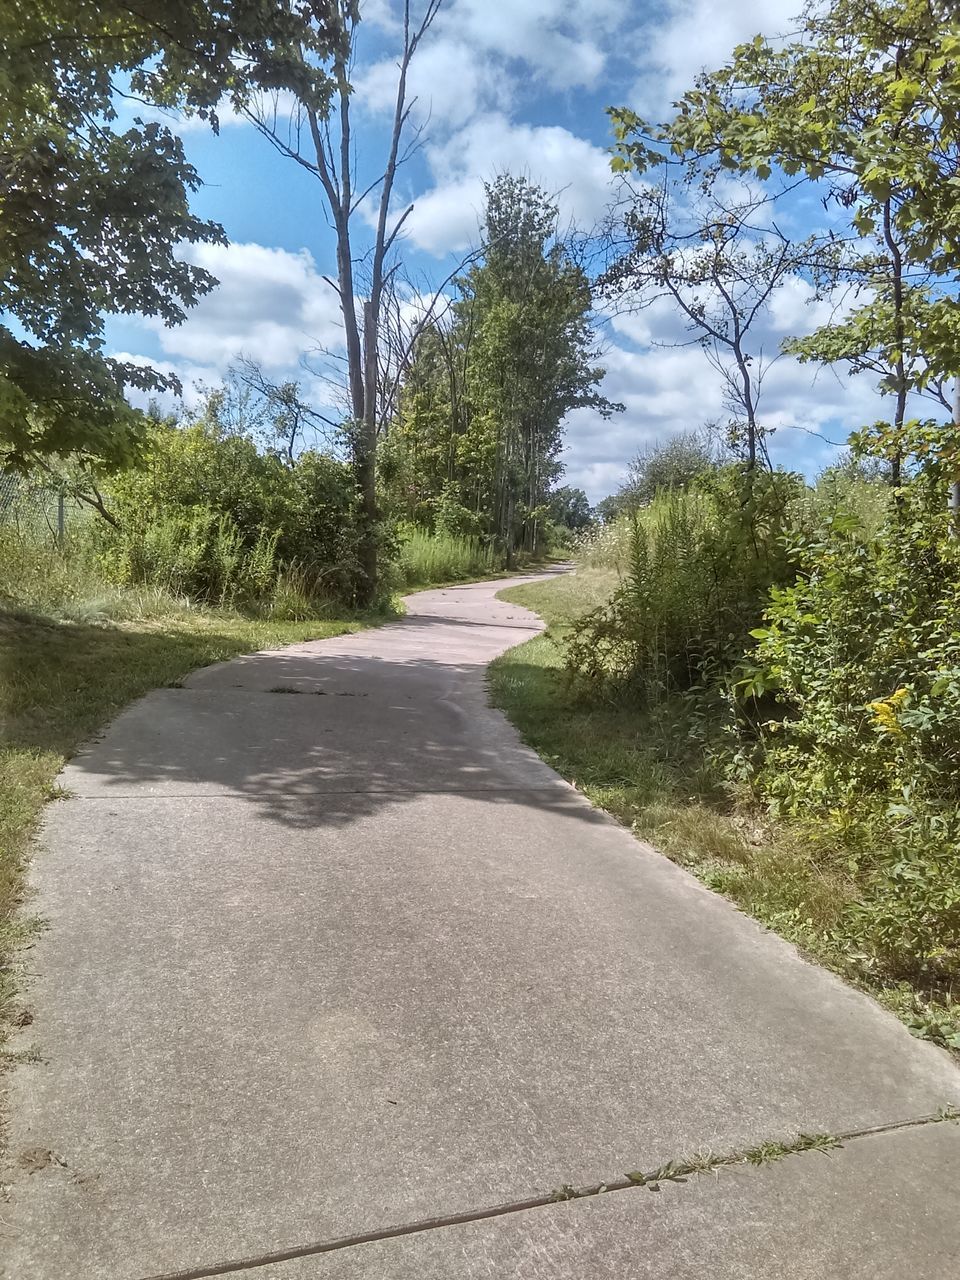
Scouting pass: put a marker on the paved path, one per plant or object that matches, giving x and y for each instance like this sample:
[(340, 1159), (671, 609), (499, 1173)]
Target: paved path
[(329, 950)]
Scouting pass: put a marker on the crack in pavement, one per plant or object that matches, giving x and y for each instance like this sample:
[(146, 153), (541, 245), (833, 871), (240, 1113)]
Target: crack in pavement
[(561, 787), (672, 1171)]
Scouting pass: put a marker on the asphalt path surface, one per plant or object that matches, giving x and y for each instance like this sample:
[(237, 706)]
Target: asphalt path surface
[(331, 955)]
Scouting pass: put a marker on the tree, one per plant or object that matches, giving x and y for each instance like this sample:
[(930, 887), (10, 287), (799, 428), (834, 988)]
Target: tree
[(92, 216), (277, 414), (675, 463), (533, 353), (610, 508), (719, 260), (479, 426), (570, 507), (324, 147), (864, 102)]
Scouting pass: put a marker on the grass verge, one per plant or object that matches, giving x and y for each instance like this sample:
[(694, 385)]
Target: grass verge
[(60, 682), (643, 772)]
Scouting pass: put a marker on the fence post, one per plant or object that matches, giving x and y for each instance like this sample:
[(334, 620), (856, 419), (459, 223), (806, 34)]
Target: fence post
[(60, 519)]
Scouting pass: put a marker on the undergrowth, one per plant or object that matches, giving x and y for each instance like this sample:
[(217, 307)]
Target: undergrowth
[(648, 767), (426, 558)]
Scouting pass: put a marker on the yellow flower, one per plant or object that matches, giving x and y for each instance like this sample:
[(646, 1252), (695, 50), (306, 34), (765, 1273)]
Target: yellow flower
[(885, 711)]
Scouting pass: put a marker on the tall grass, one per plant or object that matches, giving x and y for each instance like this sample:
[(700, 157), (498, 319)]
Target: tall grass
[(696, 567), (442, 557), (91, 576), (605, 546)]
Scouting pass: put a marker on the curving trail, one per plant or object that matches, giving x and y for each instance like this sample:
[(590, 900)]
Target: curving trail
[(330, 950)]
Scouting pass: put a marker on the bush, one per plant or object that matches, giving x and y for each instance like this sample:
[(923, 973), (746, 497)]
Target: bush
[(39, 572), (863, 652), (210, 516), (700, 564), (679, 462)]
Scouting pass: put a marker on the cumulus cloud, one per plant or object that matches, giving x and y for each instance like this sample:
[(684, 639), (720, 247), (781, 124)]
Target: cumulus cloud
[(194, 380), (675, 389), (449, 82), (471, 55), (561, 43), (445, 218), (696, 35), (270, 304)]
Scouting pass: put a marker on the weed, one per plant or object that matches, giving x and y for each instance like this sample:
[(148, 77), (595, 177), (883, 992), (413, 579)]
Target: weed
[(444, 557)]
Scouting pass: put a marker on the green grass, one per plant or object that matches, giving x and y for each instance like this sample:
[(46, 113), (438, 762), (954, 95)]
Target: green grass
[(61, 680), (643, 770), (431, 559)]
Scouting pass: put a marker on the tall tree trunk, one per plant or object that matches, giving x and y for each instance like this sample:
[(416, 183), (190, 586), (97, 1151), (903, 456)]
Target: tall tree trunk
[(954, 498), (332, 164), (365, 455), (900, 373)]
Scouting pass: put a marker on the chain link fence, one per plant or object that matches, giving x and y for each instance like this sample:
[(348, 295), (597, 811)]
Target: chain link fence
[(33, 507), (47, 562)]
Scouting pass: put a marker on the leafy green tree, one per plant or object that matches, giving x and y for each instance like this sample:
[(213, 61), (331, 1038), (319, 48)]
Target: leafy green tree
[(866, 103), (570, 507), (91, 213), (485, 397), (611, 508), (535, 353), (676, 463)]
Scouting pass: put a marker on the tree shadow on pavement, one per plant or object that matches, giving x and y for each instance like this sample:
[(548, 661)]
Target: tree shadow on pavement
[(315, 739)]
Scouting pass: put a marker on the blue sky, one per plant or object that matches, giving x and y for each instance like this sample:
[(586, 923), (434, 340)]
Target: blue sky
[(518, 87)]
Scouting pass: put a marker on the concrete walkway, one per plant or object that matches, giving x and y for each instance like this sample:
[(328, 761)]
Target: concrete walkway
[(331, 951)]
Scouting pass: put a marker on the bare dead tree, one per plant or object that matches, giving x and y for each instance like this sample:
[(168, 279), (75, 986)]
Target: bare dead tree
[(286, 415), (720, 264), (323, 144), (409, 310)]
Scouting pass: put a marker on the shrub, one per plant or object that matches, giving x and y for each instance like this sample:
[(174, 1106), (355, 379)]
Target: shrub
[(210, 516), (699, 566), (863, 651)]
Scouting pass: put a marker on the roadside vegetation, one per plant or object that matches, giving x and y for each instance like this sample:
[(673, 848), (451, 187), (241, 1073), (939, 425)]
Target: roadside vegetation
[(767, 690)]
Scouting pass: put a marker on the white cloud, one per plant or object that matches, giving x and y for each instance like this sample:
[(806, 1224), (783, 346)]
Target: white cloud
[(270, 304), (194, 379), (449, 80), (384, 14), (675, 389), (697, 35), (445, 218), (479, 55), (561, 43)]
